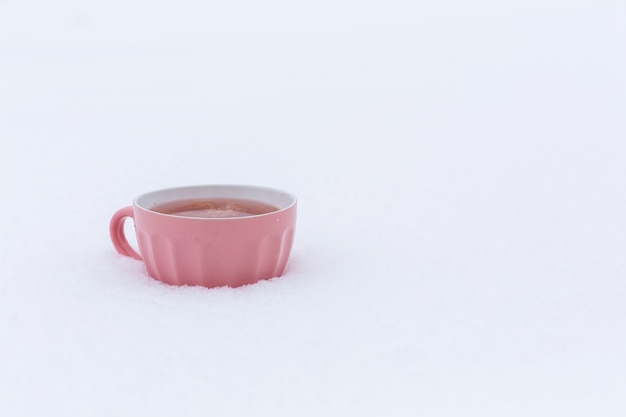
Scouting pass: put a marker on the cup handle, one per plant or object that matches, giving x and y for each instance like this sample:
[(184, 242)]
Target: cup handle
[(116, 228)]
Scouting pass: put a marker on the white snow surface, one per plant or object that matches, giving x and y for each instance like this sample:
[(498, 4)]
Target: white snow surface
[(461, 176)]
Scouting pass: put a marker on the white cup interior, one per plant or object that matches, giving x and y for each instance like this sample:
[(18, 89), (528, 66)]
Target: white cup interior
[(277, 198)]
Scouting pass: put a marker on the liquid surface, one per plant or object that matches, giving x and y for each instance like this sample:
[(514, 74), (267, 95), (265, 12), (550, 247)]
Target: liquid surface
[(215, 208)]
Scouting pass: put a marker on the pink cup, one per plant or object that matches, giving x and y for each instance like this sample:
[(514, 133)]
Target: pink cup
[(210, 252)]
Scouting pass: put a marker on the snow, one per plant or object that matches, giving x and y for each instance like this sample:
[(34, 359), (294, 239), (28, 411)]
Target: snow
[(461, 233)]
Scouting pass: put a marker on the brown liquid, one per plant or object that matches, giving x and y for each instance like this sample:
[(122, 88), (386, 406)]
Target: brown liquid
[(214, 208)]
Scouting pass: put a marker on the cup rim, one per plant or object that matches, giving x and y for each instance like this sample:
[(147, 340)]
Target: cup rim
[(293, 200)]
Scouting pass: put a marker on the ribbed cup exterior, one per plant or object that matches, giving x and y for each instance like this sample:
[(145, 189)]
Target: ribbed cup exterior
[(215, 252)]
